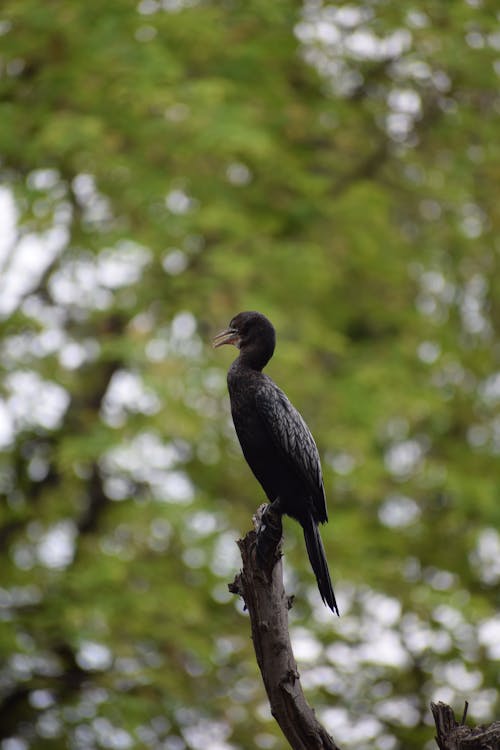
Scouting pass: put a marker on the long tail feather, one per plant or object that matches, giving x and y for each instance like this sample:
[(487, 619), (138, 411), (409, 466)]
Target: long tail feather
[(317, 557)]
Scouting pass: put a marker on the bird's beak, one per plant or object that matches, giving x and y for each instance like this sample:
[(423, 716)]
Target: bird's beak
[(229, 336)]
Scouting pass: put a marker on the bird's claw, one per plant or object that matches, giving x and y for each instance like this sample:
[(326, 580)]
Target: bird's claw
[(269, 533)]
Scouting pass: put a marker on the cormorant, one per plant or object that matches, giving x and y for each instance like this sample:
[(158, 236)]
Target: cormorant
[(274, 438)]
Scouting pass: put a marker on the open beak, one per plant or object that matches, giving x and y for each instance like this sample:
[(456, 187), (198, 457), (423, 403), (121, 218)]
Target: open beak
[(229, 336)]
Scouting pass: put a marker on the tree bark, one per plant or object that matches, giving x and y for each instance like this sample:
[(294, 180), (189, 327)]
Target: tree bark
[(261, 586), (454, 736)]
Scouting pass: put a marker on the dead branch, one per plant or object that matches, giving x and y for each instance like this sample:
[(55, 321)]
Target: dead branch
[(261, 586), (454, 736)]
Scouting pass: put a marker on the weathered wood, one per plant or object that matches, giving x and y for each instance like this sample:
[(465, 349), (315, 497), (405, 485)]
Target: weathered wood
[(260, 584), (261, 587), (454, 736)]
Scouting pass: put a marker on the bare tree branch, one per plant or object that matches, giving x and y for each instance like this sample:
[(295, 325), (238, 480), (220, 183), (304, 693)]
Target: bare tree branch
[(454, 736), (261, 586)]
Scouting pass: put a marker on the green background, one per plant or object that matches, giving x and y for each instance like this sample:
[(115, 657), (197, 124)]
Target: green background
[(164, 166)]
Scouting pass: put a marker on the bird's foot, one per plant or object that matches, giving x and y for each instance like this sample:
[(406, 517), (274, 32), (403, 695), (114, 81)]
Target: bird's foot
[(269, 534)]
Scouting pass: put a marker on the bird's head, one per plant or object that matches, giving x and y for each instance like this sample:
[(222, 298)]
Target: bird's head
[(253, 334)]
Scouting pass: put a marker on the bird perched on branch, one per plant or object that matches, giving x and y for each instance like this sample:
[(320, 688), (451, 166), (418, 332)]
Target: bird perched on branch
[(274, 438)]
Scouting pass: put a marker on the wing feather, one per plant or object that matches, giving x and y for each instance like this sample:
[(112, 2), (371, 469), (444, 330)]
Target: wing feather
[(292, 437)]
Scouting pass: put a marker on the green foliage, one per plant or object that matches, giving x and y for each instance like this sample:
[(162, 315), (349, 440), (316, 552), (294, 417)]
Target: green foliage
[(164, 166)]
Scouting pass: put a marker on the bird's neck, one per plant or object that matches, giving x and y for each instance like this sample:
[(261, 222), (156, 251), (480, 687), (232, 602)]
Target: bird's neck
[(254, 358)]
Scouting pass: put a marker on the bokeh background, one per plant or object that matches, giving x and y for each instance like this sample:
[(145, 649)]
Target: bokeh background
[(163, 166)]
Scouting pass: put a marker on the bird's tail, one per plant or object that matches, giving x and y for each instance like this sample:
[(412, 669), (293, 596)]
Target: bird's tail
[(317, 557)]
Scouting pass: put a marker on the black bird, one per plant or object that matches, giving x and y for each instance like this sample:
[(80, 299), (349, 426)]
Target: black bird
[(274, 438)]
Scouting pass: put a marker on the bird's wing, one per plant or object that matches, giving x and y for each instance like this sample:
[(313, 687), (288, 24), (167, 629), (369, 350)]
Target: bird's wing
[(293, 438)]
